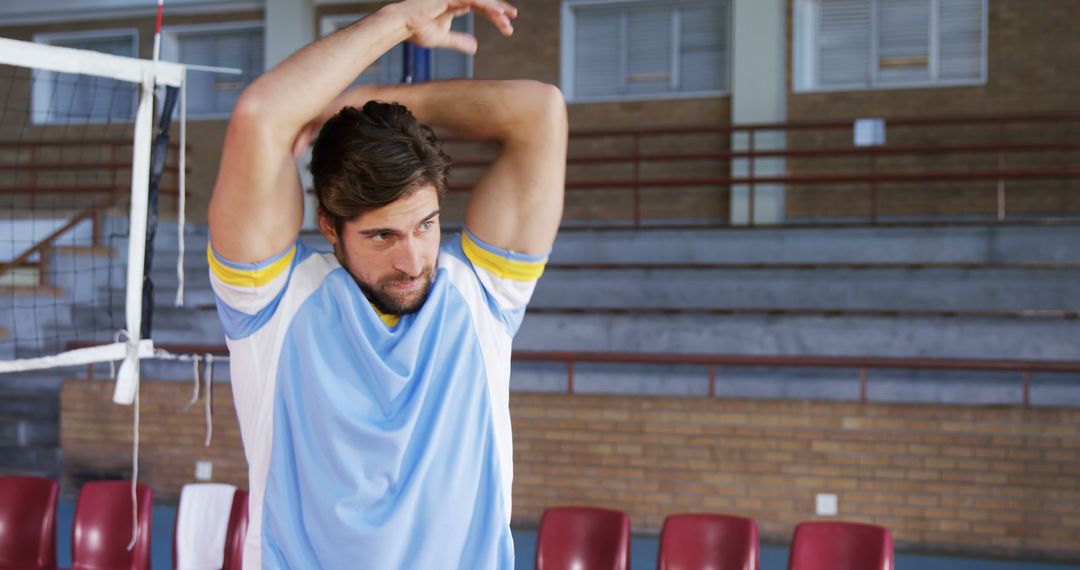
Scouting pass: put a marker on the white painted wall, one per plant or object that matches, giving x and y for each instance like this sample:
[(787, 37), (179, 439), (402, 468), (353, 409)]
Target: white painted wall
[(290, 25), (758, 95)]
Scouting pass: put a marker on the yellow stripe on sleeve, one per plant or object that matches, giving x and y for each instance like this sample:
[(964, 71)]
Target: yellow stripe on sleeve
[(500, 266), (249, 277)]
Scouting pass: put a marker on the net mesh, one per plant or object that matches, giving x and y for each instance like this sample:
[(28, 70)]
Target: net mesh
[(66, 153)]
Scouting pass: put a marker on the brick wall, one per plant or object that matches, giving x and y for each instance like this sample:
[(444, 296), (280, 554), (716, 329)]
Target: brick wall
[(96, 435), (990, 481), (979, 480)]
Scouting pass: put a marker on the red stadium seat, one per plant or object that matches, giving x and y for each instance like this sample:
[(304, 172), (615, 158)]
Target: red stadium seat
[(825, 545), (103, 527), (583, 538), (237, 532), (27, 523), (708, 542)]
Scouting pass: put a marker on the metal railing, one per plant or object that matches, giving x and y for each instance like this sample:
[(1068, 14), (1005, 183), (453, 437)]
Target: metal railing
[(869, 173), (862, 364)]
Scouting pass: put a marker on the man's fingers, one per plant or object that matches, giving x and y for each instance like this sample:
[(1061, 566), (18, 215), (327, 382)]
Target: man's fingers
[(501, 19), (460, 41), (500, 13)]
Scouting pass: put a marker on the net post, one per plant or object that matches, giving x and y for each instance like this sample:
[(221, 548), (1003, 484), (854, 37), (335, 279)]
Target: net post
[(128, 378)]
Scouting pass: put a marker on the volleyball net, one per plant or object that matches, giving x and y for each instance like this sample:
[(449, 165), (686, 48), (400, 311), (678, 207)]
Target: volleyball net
[(80, 167)]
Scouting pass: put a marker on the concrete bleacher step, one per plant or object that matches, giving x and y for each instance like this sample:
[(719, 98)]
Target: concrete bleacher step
[(1015, 288), (899, 244), (30, 423), (899, 336), (170, 324), (42, 461), (21, 432), (187, 325)]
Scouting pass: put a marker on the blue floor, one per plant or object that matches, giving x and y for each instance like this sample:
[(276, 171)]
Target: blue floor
[(643, 549)]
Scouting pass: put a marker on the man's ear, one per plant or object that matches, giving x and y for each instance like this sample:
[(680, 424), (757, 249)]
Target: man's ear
[(327, 227)]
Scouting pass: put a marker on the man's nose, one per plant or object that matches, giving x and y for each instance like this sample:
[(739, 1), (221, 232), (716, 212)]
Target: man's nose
[(409, 259)]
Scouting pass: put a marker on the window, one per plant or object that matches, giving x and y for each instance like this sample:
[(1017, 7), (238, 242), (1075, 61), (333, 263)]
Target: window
[(645, 49), (861, 44), (212, 94), (67, 97), (445, 63)]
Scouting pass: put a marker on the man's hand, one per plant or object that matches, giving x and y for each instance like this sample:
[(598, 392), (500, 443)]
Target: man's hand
[(428, 21)]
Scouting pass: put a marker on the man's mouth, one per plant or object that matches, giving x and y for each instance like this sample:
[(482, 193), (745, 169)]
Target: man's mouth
[(406, 285)]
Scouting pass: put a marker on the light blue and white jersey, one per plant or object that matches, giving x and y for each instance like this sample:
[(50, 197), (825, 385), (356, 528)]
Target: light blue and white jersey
[(373, 441)]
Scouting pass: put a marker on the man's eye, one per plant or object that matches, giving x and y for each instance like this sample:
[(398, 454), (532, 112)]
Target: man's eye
[(381, 236), (427, 225)]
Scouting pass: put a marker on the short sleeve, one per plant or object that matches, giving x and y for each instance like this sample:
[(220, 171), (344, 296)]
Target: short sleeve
[(508, 278), (247, 293)]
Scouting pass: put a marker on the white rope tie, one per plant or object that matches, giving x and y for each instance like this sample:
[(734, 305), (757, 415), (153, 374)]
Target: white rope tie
[(122, 333), (207, 383), (195, 383), (209, 399), (135, 477)]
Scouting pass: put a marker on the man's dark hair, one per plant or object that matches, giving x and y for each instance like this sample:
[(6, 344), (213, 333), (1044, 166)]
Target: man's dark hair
[(364, 159)]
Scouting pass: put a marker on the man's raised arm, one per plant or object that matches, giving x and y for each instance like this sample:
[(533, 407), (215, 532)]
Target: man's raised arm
[(517, 204), (257, 207)]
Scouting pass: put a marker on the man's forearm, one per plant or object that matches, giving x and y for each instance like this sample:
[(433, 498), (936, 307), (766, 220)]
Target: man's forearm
[(294, 92), (504, 111)]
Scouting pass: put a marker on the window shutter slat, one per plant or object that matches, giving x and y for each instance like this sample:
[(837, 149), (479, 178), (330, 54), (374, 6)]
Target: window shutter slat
[(596, 65), (960, 43), (844, 42), (703, 47), (903, 41), (649, 50)]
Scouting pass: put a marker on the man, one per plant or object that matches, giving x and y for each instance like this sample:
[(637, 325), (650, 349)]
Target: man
[(371, 383)]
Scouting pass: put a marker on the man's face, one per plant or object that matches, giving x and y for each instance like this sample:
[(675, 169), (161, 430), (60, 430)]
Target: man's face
[(391, 251)]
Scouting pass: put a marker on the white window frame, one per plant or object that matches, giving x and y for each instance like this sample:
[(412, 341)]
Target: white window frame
[(170, 49), (331, 23), (806, 50), (42, 89), (566, 76)]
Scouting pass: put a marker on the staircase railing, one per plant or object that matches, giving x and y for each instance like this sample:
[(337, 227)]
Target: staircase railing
[(42, 247)]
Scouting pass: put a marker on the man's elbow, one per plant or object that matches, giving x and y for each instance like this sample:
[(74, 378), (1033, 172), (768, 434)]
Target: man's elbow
[(248, 109), (256, 117), (543, 110)]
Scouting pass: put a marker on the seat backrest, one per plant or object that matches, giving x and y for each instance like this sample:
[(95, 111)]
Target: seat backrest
[(237, 532), (828, 545), (708, 542), (102, 528), (27, 522), (583, 538)]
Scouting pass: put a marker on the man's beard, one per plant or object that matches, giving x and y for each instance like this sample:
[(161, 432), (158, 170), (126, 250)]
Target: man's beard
[(390, 304)]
